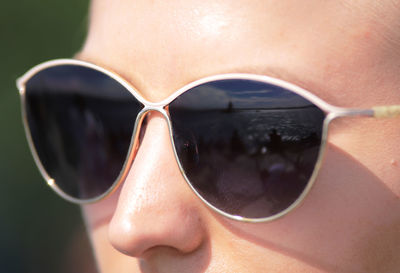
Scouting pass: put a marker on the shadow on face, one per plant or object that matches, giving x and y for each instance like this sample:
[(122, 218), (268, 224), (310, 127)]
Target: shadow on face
[(348, 223)]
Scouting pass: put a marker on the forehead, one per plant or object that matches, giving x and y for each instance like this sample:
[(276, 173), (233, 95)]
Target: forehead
[(161, 45)]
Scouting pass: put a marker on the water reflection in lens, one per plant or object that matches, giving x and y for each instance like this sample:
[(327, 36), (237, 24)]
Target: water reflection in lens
[(256, 144)]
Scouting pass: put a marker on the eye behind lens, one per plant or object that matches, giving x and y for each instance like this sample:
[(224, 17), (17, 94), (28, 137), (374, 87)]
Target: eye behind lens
[(256, 144), (81, 123)]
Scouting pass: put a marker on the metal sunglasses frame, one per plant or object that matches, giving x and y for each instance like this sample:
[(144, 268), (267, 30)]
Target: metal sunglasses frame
[(331, 113)]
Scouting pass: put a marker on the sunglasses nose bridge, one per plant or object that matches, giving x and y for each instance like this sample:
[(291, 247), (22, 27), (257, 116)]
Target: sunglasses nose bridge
[(148, 109), (163, 110), (151, 108)]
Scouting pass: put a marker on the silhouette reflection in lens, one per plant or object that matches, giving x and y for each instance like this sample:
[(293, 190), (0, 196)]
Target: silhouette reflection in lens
[(81, 122), (249, 148)]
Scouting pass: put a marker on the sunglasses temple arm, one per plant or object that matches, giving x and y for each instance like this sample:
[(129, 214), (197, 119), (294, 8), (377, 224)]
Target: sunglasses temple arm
[(348, 112), (389, 111)]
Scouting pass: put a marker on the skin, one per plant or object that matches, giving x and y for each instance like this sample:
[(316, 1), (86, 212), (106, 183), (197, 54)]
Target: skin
[(345, 52)]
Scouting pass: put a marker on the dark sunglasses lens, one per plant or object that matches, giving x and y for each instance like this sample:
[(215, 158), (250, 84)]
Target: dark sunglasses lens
[(249, 148), (81, 123)]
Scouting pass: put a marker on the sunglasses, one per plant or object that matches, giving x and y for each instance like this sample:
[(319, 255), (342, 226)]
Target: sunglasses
[(249, 146)]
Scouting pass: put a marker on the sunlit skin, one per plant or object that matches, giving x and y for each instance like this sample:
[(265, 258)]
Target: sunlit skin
[(345, 52)]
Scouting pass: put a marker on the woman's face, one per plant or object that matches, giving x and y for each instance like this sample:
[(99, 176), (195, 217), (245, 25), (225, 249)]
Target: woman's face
[(345, 52)]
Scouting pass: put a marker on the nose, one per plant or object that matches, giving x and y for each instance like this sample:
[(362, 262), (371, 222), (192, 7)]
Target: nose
[(156, 209)]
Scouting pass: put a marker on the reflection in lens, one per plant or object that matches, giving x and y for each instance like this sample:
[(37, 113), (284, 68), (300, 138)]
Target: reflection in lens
[(249, 148), (81, 123)]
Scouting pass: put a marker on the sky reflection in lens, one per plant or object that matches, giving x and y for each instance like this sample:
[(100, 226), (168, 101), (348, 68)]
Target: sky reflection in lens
[(249, 148)]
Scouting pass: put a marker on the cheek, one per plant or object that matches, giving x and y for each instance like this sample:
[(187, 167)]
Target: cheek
[(348, 222), (373, 143), (100, 213), (108, 259), (380, 247)]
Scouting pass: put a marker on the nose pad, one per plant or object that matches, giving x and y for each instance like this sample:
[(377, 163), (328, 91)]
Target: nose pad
[(156, 209)]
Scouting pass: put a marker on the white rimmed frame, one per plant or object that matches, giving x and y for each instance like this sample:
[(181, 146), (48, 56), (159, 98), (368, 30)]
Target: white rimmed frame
[(332, 112)]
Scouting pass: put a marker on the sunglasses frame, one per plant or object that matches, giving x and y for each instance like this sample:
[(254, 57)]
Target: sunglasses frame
[(331, 113)]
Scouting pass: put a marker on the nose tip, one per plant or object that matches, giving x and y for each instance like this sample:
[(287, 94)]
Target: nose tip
[(156, 208), (136, 238)]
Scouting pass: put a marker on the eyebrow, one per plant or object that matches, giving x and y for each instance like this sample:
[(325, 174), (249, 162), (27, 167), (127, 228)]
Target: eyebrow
[(272, 71), (383, 111), (277, 72), (280, 73)]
